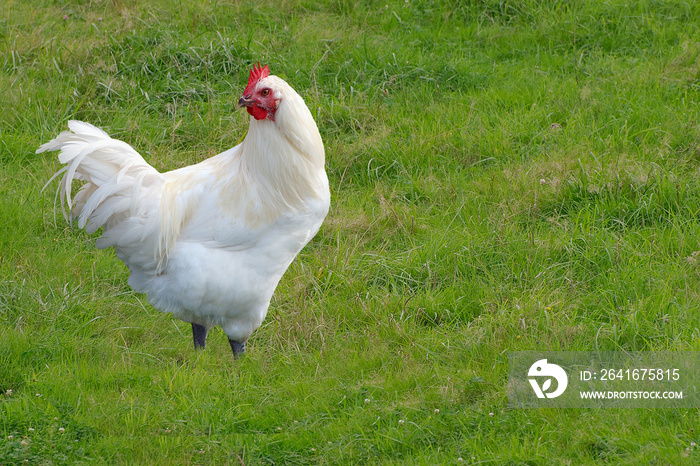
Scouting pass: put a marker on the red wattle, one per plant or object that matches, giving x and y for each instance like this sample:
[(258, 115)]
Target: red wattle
[(257, 112)]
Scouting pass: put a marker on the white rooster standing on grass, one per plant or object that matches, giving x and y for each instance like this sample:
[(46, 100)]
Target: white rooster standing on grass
[(208, 242)]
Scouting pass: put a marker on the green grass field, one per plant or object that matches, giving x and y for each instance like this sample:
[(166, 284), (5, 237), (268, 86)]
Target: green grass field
[(505, 176)]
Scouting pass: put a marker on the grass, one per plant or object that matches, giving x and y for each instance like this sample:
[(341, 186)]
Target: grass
[(505, 176)]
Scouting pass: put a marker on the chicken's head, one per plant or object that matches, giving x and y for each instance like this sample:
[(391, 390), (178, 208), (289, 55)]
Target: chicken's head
[(259, 98)]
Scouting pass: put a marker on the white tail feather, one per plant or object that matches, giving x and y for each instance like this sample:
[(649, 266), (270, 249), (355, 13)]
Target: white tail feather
[(113, 171)]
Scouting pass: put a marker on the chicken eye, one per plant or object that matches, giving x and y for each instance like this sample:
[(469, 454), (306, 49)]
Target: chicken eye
[(265, 92)]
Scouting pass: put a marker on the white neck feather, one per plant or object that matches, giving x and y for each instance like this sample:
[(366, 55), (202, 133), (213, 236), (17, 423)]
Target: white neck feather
[(283, 160)]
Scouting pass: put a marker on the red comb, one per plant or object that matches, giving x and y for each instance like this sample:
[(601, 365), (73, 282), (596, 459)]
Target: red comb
[(257, 73)]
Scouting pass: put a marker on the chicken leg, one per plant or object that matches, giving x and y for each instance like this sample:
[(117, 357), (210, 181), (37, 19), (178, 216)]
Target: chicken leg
[(237, 347), (199, 334)]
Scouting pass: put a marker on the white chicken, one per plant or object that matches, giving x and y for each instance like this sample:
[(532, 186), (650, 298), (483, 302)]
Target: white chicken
[(208, 242)]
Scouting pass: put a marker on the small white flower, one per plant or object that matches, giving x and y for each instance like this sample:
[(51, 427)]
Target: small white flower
[(61, 429), (401, 421), (24, 442), (460, 459), (367, 401), (10, 437), (437, 411), (8, 392), (31, 429), (491, 414)]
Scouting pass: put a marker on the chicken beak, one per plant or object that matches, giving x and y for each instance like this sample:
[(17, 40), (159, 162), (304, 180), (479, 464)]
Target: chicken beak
[(246, 101)]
